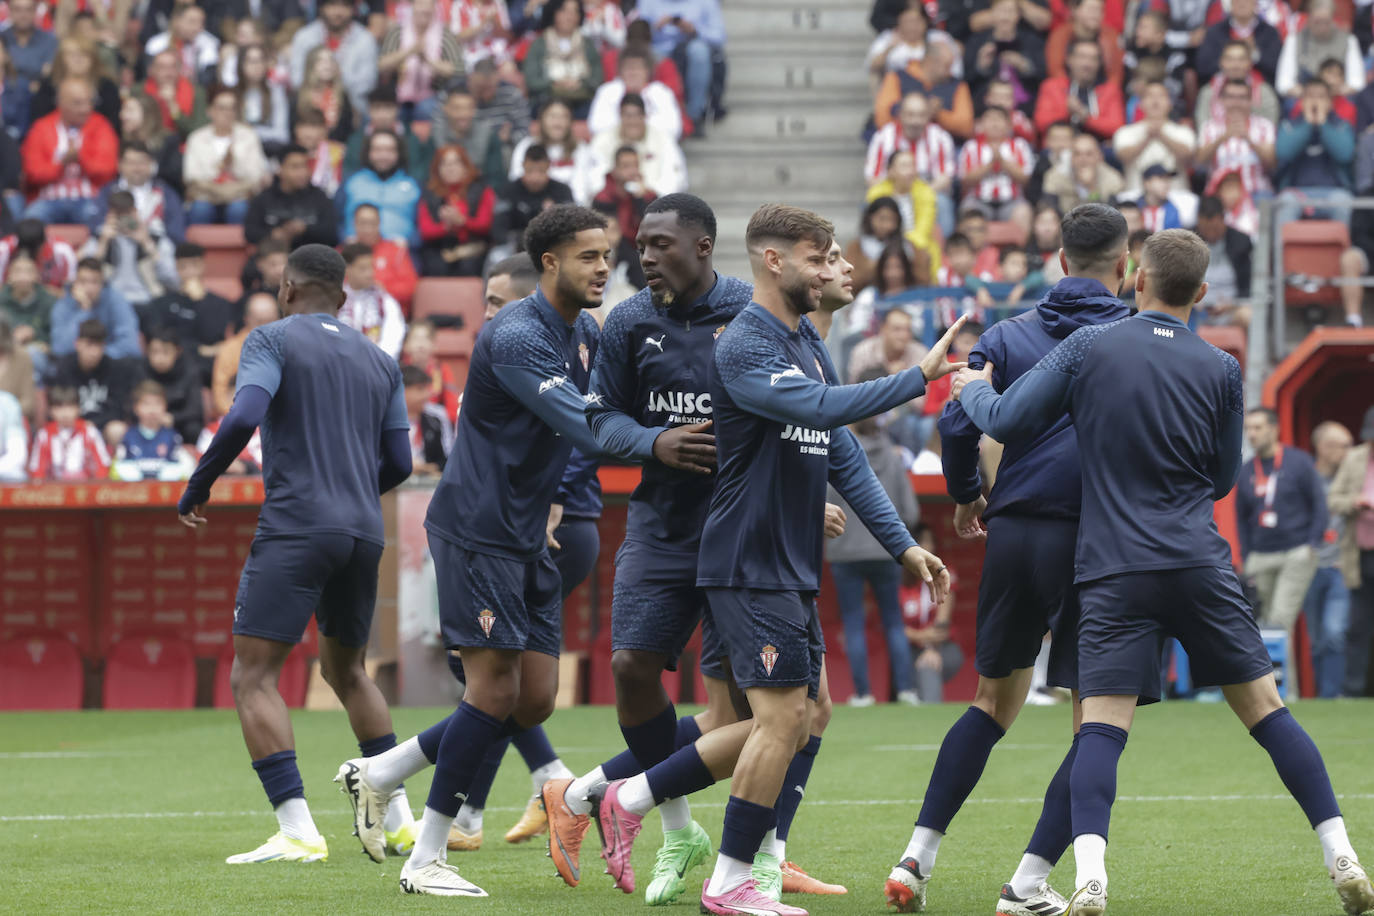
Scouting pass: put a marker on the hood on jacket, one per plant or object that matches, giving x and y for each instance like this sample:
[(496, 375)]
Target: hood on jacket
[(1075, 302)]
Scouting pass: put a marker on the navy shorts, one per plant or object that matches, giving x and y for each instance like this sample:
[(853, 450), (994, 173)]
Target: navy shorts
[(1026, 591), (580, 541), (1126, 618), (489, 602), (287, 580), (655, 602), (773, 638)]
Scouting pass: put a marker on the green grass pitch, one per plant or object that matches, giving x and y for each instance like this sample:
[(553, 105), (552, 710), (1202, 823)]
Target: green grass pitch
[(135, 812)]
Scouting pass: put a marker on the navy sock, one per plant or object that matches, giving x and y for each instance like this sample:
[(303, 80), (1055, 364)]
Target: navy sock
[(534, 747), (486, 774), (374, 746), (1299, 764), (652, 741), (688, 731), (469, 735), (280, 777), (794, 784), (1092, 781), (679, 776), (621, 766), (958, 766), (1054, 831), (429, 739), (745, 825)]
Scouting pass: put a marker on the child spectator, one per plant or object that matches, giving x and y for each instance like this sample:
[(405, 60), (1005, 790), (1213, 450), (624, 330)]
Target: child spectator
[(179, 381), (391, 261), (68, 447), (938, 658), (369, 309), (418, 352), (14, 440), (1156, 211), (431, 431), (455, 216), (994, 166), (151, 449)]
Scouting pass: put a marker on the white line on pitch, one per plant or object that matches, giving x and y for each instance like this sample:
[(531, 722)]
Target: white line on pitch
[(822, 802)]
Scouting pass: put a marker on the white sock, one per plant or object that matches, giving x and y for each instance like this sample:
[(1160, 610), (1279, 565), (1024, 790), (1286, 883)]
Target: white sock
[(770, 840), (576, 798), (1090, 852), (779, 849), (729, 874), (556, 769), (924, 845), (1030, 874), (636, 796), (293, 817), (433, 838), (469, 820), (676, 813), (398, 812), (390, 768), (1335, 843)]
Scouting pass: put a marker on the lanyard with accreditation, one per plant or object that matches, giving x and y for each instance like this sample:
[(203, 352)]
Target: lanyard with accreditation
[(1265, 487)]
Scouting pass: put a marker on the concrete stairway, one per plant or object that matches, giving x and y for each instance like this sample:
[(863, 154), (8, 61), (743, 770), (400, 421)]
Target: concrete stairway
[(798, 97)]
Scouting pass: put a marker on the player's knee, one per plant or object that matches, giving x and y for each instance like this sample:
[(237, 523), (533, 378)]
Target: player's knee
[(635, 670)]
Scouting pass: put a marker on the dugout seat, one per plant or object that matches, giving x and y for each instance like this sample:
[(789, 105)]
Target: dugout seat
[(226, 252), (150, 671), (74, 234), (1313, 248), (291, 685), (40, 670)]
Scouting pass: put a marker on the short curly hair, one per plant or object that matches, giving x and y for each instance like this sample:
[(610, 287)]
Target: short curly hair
[(556, 226), (690, 209)]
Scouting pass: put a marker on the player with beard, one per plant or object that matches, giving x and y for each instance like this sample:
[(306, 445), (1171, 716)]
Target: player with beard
[(498, 589), (655, 347)]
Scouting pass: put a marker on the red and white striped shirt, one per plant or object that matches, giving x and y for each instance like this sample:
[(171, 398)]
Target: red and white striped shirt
[(78, 453), (490, 41), (934, 152), (1237, 155), (997, 186)]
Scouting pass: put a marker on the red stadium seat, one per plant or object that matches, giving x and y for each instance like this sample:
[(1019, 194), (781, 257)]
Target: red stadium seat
[(73, 234), (40, 671), (225, 254), (291, 685), (1232, 340), (1313, 248), (150, 672)]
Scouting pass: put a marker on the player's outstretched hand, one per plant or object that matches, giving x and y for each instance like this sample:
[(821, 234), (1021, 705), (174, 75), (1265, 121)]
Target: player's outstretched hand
[(687, 448), (931, 570), (967, 375), (834, 520), (196, 517), (968, 519), (934, 364)]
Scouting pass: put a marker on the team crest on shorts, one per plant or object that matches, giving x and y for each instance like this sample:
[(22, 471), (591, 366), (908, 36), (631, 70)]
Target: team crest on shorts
[(585, 355), (486, 619), (720, 330), (769, 657)]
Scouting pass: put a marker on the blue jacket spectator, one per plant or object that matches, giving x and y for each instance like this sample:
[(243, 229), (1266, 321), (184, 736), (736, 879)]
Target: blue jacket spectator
[(383, 182), (1316, 149), (89, 297)]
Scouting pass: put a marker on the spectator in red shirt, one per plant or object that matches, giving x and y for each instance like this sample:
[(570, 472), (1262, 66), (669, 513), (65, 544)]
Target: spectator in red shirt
[(625, 188), (68, 156), (1081, 97), (390, 257), (454, 216)]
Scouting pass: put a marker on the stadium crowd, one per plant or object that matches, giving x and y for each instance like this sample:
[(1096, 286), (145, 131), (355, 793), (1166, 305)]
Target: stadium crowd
[(420, 137)]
